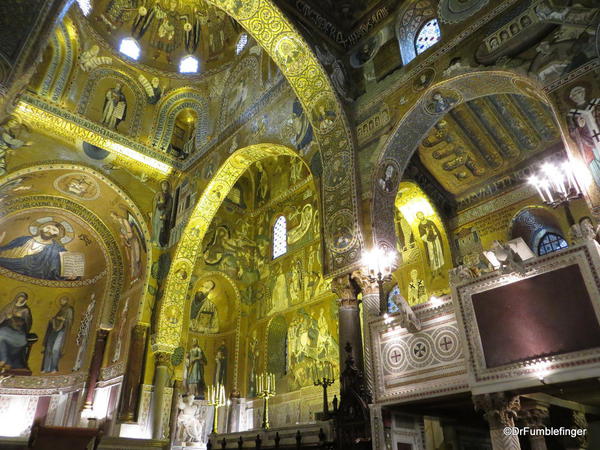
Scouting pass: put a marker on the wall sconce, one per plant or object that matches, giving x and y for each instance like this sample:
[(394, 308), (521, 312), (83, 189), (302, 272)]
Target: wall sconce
[(379, 265)]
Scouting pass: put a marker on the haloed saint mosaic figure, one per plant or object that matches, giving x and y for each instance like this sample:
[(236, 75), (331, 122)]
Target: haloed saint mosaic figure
[(57, 334), (15, 324), (42, 254)]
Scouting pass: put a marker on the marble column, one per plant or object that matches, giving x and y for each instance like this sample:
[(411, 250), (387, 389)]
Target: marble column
[(534, 416), (161, 377), (500, 410), (377, 431), (94, 372), (132, 381), (34, 27), (349, 320), (371, 309), (178, 390)]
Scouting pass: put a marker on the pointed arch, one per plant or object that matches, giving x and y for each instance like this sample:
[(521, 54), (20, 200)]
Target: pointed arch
[(422, 116), (128, 81), (170, 106), (269, 27), (170, 325), (64, 54)]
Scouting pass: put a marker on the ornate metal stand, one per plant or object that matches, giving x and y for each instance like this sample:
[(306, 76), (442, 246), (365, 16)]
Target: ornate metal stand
[(216, 398), (266, 390), (379, 265), (325, 383)]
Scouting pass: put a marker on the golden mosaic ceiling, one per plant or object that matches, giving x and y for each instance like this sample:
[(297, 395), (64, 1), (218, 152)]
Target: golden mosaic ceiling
[(485, 138), (167, 30)]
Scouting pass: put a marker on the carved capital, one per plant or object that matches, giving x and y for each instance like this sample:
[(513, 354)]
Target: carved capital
[(342, 287), (580, 421), (367, 284), (162, 359), (139, 330), (102, 334), (500, 409), (534, 416)]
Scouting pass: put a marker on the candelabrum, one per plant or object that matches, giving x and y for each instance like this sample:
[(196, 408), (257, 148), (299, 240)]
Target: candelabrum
[(216, 398), (266, 390), (379, 265), (557, 186), (325, 379)]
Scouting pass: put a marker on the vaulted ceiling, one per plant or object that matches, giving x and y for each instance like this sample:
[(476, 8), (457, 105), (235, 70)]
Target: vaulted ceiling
[(486, 138)]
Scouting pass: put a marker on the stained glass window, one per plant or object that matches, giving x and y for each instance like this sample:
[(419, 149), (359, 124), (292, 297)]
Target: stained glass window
[(551, 242), (428, 35), (279, 237), (392, 307), (241, 43)]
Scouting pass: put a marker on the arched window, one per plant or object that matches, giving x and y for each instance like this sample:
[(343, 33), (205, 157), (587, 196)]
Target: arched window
[(183, 138), (551, 242), (392, 306), (539, 228), (130, 47), (241, 43), (279, 237), (189, 64), (428, 35), (85, 6)]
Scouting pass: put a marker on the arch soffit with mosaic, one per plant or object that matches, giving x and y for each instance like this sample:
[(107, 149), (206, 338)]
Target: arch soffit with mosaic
[(115, 285), (421, 117), (265, 22), (168, 108), (58, 73), (179, 280)]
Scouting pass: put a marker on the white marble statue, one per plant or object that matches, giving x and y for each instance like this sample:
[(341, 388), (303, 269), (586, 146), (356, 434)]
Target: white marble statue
[(189, 424)]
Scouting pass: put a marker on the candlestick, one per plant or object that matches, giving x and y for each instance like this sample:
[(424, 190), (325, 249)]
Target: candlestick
[(216, 398), (325, 382), (266, 390)]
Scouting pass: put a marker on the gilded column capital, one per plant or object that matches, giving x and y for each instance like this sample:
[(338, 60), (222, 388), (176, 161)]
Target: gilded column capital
[(500, 409), (162, 359), (366, 283), (342, 287)]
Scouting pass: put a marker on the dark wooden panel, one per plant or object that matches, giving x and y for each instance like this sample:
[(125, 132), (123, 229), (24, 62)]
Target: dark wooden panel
[(545, 315)]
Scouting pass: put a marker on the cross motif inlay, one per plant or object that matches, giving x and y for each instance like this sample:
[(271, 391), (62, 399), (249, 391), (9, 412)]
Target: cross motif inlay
[(446, 343), (419, 350), (396, 355)]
